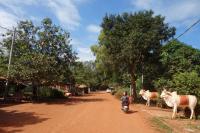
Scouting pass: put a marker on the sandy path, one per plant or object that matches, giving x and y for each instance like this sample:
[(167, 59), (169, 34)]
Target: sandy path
[(95, 113)]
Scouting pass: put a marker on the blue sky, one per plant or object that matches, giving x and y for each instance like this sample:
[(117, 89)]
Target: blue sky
[(82, 18)]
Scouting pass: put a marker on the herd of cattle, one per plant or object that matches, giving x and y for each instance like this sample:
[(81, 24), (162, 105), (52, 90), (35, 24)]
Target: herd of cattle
[(172, 99)]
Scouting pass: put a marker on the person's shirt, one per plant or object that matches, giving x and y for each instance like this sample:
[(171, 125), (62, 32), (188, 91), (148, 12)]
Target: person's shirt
[(125, 100)]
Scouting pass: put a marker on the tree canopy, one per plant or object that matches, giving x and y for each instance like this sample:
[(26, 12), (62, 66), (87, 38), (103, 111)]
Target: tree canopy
[(179, 57), (181, 70), (133, 40), (41, 54)]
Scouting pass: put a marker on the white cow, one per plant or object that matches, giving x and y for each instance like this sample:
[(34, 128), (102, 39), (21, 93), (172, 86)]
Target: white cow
[(148, 96), (175, 101)]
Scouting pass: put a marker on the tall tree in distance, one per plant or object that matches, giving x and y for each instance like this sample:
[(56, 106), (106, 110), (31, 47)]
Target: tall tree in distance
[(131, 40), (102, 61)]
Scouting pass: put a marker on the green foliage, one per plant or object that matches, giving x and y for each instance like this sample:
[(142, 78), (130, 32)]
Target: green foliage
[(34, 66), (46, 92), (119, 93), (126, 79), (85, 73), (181, 68), (103, 64), (55, 93), (129, 41), (187, 83), (41, 54), (179, 57), (3, 65), (120, 90), (139, 84), (162, 83)]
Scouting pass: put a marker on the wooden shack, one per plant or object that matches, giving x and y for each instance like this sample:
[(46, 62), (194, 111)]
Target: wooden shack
[(82, 89)]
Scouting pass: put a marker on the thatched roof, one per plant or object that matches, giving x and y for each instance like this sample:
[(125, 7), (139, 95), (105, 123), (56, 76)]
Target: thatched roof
[(82, 86)]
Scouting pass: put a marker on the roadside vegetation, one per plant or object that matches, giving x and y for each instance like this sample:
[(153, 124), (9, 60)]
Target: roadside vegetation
[(130, 46), (42, 59), (161, 125)]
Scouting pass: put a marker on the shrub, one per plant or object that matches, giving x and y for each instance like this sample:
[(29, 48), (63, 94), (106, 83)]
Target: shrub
[(46, 92), (184, 83), (187, 83), (120, 90), (55, 93), (162, 82)]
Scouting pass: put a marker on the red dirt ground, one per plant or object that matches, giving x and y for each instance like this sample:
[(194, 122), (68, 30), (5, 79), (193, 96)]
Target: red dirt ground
[(179, 125), (94, 113)]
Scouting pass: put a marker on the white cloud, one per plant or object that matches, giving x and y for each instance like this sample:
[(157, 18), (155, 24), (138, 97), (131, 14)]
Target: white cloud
[(15, 6), (75, 42), (7, 20), (142, 3), (66, 12), (84, 50), (85, 54), (11, 12), (178, 12), (93, 28)]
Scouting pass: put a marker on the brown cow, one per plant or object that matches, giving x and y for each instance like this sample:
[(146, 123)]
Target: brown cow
[(148, 96)]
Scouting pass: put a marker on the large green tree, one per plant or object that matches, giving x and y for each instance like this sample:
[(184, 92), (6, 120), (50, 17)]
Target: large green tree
[(131, 40), (41, 54)]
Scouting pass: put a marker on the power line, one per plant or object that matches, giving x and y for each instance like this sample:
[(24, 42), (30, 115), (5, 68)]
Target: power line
[(5, 28), (16, 32), (188, 29)]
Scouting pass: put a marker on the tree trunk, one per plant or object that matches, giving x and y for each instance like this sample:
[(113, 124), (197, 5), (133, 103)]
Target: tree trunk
[(6, 90), (133, 83), (34, 85), (133, 86)]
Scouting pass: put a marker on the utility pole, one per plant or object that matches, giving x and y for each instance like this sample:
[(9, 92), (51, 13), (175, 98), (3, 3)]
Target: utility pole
[(142, 72), (142, 80), (9, 63)]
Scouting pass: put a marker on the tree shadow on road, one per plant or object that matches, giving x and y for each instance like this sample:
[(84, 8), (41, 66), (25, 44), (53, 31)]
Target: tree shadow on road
[(64, 101), (70, 101), (131, 112), (10, 131), (15, 119), (2, 104), (78, 100)]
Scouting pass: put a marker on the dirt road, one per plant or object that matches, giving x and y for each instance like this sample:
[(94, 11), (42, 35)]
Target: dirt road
[(94, 113)]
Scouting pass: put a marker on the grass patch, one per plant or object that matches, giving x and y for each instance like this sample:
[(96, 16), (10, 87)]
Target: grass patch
[(193, 126), (160, 125)]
